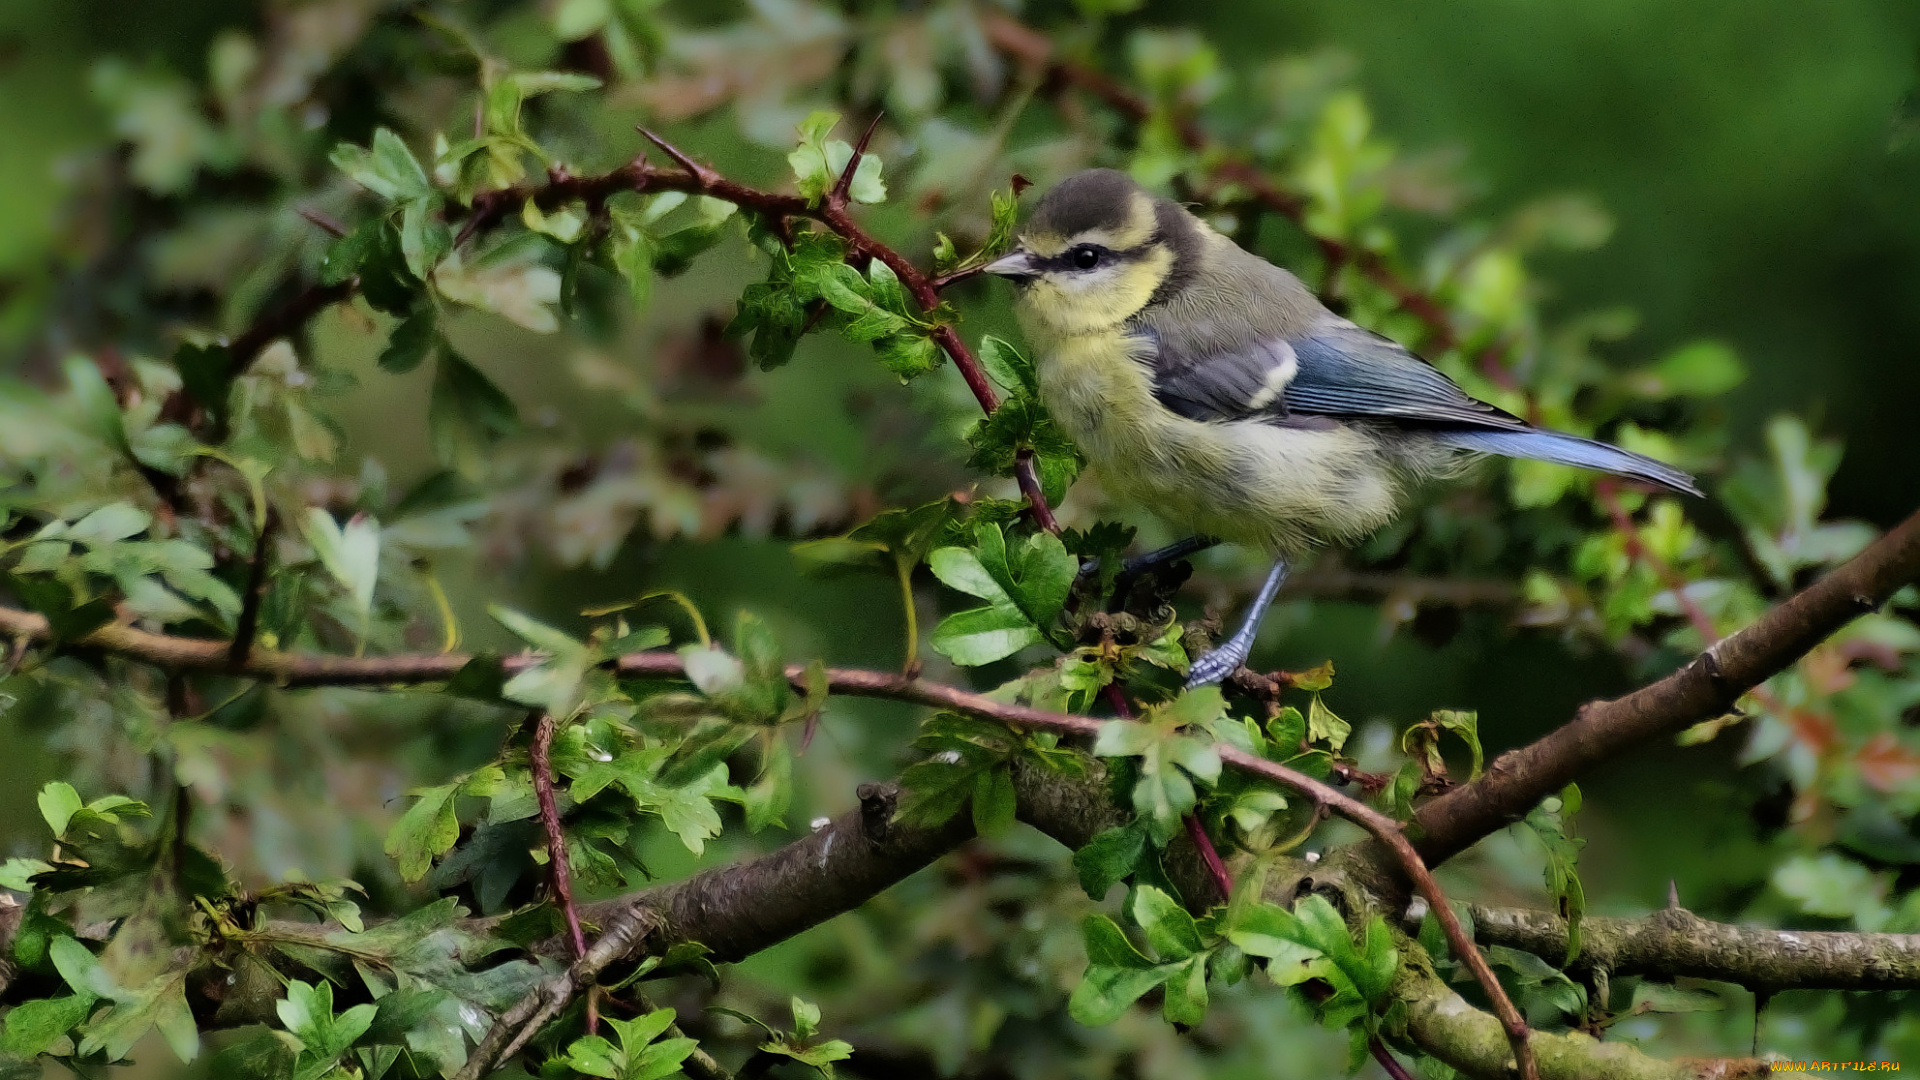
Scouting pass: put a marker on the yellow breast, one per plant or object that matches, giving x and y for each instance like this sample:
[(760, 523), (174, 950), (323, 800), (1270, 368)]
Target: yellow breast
[(1249, 482)]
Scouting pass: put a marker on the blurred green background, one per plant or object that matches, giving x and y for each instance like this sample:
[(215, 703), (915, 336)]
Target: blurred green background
[(1761, 162)]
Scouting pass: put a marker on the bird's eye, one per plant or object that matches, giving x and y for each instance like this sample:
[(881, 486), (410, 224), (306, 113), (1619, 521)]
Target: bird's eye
[(1086, 258)]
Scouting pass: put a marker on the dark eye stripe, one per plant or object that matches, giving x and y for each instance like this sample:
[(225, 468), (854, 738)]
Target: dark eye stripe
[(1064, 260)]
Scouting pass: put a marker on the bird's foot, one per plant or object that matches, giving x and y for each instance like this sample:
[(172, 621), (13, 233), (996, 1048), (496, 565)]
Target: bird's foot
[(1216, 666)]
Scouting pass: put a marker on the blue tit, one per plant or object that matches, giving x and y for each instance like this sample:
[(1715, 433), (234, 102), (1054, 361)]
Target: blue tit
[(1213, 388)]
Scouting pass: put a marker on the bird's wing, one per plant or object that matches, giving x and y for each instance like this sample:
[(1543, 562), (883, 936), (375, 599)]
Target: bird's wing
[(1339, 369)]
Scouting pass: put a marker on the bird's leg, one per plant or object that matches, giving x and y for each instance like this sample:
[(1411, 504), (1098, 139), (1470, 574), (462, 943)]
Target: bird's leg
[(1227, 657), (1132, 569)]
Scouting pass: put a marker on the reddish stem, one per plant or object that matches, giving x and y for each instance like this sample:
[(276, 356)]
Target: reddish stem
[(1210, 855), (539, 760), (1196, 832), (1387, 1061)]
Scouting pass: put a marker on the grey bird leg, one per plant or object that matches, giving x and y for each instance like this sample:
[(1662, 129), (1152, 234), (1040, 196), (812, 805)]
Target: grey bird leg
[(1227, 657), (1152, 560), (1133, 569)]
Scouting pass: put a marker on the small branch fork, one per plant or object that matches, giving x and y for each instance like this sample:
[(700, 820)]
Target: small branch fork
[(1390, 833), (515, 1027)]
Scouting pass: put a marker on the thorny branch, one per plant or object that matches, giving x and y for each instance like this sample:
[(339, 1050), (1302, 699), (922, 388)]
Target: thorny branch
[(694, 178), (1703, 689), (1449, 823)]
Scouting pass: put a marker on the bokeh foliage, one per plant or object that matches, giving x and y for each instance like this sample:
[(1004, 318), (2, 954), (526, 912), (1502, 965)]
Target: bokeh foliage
[(658, 410)]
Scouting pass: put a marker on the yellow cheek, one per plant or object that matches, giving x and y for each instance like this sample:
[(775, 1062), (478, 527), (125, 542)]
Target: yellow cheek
[(1054, 307)]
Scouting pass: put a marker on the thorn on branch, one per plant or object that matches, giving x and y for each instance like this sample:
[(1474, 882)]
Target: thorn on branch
[(837, 197), (877, 803), (699, 172), (324, 222)]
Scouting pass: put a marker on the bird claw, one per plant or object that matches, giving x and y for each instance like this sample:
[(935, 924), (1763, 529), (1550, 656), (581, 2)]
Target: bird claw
[(1216, 666)]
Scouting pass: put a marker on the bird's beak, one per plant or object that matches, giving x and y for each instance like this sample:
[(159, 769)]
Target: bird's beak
[(1016, 265)]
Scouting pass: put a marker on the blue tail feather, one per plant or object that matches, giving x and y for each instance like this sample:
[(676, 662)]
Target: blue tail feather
[(1572, 450)]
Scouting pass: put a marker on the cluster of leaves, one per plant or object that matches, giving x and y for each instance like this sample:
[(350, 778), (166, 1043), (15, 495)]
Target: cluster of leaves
[(1345, 977)]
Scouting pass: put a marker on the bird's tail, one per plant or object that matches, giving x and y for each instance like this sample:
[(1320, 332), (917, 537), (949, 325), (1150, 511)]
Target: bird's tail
[(1572, 450)]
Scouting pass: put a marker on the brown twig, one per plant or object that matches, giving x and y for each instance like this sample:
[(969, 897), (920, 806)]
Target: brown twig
[(540, 763), (518, 1025), (1210, 855), (1513, 784), (323, 222), (248, 625)]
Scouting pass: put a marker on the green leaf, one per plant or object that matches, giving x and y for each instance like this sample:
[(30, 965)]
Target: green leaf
[(1704, 369), (1467, 726), (1006, 366), (351, 553), (595, 1056), (994, 802), (908, 354), (633, 254), (411, 340), (1552, 822), (389, 170), (1324, 726), (468, 413), (1655, 997), (1186, 1000), (346, 255), (207, 373), (427, 830), (983, 635), (1117, 975), (1169, 929), (69, 617), (424, 237), (1273, 933), (1109, 858), (58, 803), (159, 1002)]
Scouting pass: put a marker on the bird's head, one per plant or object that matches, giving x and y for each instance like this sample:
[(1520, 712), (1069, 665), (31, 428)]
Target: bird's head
[(1095, 251)]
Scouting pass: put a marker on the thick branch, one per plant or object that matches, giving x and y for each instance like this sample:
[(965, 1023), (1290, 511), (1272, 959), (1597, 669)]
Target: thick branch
[(1447, 1028), (738, 910), (1675, 942), (1705, 688)]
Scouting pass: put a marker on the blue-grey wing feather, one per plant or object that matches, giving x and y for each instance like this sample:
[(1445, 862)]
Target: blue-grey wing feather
[(1341, 371), (1346, 370)]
